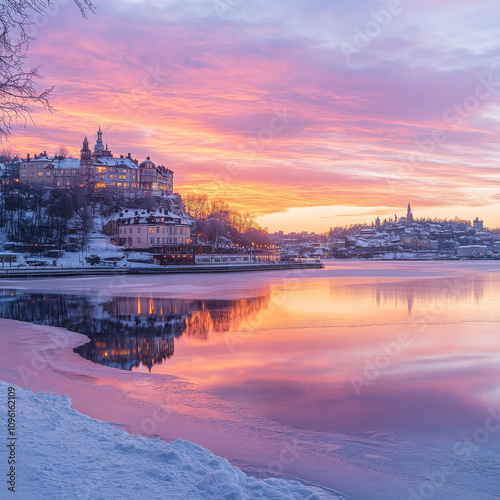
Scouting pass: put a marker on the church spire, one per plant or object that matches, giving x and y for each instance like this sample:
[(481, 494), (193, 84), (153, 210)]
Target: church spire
[(409, 214), (86, 154), (99, 146)]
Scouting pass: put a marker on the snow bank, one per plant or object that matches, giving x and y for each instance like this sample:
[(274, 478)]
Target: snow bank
[(63, 454)]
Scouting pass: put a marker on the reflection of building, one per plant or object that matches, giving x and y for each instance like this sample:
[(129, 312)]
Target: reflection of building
[(128, 352), (127, 332), (421, 294)]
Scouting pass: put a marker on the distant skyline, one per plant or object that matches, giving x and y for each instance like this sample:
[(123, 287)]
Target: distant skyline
[(309, 113)]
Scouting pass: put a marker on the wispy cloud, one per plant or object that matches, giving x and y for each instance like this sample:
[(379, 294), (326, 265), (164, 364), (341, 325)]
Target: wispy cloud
[(196, 91)]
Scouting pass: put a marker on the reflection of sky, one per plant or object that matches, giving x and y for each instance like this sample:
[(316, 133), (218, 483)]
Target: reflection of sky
[(297, 364)]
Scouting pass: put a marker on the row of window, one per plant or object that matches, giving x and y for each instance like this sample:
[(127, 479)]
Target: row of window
[(102, 170), (218, 259), (167, 240), (170, 230), (33, 165), (163, 241), (32, 174)]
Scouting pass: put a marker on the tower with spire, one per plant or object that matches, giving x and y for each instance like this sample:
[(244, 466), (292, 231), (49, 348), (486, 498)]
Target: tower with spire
[(409, 215), (99, 148), (86, 154), (86, 159)]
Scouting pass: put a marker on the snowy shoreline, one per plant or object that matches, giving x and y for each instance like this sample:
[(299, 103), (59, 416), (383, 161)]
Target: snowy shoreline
[(41, 358), (65, 454)]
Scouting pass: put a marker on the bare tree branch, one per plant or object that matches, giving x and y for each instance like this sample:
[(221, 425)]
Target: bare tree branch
[(18, 92)]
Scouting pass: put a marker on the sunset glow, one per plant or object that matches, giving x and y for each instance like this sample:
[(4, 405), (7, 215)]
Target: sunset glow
[(287, 109)]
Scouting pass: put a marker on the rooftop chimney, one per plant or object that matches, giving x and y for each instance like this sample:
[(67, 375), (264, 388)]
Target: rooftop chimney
[(28, 157)]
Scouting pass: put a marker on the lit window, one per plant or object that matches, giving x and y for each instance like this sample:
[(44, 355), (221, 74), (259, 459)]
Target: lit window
[(151, 229)]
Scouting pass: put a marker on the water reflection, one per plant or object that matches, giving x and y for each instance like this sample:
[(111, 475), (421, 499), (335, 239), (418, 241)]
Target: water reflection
[(306, 345), (127, 332)]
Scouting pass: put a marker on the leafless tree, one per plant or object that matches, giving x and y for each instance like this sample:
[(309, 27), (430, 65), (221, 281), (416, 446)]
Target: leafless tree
[(63, 152), (7, 155), (18, 91)]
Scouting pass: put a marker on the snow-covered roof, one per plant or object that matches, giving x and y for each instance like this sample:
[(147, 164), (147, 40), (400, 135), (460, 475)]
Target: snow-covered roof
[(147, 163), (66, 164), (116, 162), (144, 216)]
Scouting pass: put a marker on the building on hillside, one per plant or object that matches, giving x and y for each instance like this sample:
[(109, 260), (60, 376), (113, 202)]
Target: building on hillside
[(409, 215), (100, 170), (32, 170), (477, 224), (415, 242), (145, 230), (472, 251)]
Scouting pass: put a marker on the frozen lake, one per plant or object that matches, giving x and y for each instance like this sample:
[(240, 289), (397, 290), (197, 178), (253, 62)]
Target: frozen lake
[(373, 379)]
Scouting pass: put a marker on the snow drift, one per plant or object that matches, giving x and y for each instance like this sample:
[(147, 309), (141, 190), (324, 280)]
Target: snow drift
[(63, 454)]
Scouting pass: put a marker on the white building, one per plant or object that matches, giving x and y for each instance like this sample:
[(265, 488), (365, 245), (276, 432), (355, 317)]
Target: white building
[(472, 251)]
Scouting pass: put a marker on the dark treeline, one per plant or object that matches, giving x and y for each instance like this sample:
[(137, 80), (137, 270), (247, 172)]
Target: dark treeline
[(42, 215), (219, 223)]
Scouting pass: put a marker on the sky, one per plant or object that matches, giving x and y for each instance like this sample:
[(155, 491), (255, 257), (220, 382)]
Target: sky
[(308, 113)]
